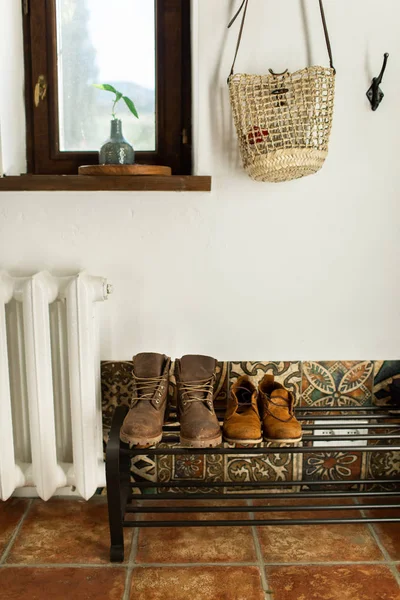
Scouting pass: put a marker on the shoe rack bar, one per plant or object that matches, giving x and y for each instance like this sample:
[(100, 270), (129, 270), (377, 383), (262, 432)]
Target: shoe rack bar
[(311, 426), (252, 522), (362, 425), (323, 438), (258, 450), (129, 502), (343, 417), (260, 496), (255, 484), (353, 409), (239, 509)]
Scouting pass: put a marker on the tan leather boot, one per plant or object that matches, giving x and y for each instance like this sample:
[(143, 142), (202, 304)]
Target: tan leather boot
[(144, 422), (276, 405), (195, 377), (242, 423)]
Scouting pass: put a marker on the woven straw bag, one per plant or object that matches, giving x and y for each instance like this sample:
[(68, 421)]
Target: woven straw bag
[(283, 120)]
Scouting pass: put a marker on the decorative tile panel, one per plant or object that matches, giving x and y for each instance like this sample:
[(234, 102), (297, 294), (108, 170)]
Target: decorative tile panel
[(143, 468), (221, 388), (315, 384), (189, 466), (263, 467), (116, 389), (199, 467), (333, 466), (337, 383), (386, 464), (385, 372), (287, 373)]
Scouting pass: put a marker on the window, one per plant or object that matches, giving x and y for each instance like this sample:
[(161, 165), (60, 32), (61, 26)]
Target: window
[(141, 47), (90, 49)]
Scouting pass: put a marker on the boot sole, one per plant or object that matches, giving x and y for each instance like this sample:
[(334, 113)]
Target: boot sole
[(284, 441), (140, 441), (211, 443), (231, 441)]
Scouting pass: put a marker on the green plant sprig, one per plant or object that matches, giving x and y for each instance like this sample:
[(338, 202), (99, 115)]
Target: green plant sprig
[(118, 95)]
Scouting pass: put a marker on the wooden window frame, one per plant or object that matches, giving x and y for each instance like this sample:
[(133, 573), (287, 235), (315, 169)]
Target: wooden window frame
[(173, 92)]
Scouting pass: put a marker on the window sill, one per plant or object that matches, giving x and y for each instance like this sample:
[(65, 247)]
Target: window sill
[(89, 183)]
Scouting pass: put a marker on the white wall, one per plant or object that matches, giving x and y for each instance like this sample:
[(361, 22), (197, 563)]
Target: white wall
[(12, 114), (306, 269)]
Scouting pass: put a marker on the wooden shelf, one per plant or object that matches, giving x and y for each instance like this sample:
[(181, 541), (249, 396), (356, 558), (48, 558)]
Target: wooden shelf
[(89, 183)]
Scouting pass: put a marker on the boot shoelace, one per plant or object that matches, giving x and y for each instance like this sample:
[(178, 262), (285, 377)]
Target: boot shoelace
[(269, 400), (199, 387), (146, 388)]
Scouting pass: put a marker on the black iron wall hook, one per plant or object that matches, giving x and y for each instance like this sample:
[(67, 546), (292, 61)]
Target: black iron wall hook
[(375, 94)]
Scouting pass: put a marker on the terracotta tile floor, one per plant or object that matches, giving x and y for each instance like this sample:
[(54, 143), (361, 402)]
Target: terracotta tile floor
[(192, 544), (59, 549), (316, 543), (389, 533)]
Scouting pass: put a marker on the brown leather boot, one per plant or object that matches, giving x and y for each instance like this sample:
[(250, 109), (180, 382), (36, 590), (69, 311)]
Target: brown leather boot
[(195, 376), (242, 423), (144, 422), (277, 409)]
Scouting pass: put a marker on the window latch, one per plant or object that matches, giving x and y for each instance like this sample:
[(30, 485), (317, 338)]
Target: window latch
[(40, 90), (185, 136)]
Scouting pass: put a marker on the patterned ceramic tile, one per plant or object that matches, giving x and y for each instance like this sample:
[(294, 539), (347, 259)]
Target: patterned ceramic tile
[(384, 465), (116, 389), (143, 468), (334, 466), (337, 383), (189, 466), (287, 374), (385, 372), (263, 467), (221, 385), (198, 467), (172, 392)]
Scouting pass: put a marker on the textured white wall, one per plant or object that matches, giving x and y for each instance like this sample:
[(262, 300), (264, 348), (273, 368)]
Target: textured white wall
[(306, 269)]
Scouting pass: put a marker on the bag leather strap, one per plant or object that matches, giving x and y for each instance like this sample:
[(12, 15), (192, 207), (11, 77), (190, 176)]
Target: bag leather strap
[(244, 7)]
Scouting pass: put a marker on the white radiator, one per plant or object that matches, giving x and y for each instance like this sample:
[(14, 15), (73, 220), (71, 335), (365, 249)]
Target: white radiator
[(50, 404)]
